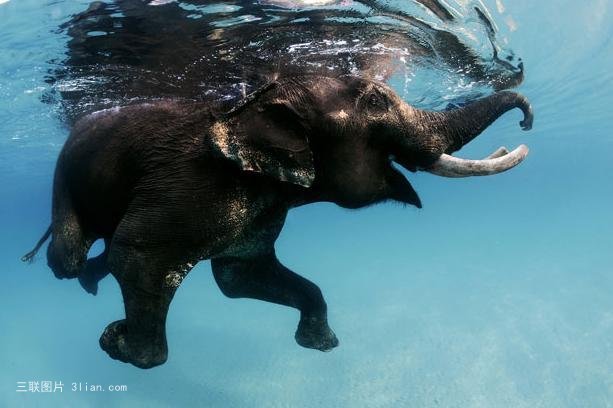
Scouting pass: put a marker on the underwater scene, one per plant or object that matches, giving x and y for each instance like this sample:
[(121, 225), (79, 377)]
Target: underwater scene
[(306, 203)]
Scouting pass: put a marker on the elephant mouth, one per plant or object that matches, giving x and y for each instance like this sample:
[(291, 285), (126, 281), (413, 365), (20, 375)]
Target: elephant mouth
[(498, 162)]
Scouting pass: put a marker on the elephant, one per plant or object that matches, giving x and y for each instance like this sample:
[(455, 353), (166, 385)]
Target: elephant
[(171, 182)]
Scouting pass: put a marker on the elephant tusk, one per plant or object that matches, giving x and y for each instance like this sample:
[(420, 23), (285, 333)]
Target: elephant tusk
[(499, 161), (501, 151)]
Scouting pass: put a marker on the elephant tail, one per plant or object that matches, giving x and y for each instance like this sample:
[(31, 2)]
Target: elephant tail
[(29, 257)]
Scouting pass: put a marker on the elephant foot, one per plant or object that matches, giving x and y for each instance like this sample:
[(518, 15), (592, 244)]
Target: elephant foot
[(88, 284), (95, 270), (315, 333), (116, 342)]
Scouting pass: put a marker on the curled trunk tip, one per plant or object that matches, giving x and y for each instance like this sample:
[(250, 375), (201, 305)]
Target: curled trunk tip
[(460, 126)]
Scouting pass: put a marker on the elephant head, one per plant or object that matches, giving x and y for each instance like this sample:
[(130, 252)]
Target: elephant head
[(338, 137)]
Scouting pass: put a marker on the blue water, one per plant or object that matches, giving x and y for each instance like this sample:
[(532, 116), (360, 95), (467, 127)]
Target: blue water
[(498, 293)]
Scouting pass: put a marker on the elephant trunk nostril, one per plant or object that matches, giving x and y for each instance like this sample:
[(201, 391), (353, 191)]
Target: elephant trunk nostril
[(460, 126), (526, 108)]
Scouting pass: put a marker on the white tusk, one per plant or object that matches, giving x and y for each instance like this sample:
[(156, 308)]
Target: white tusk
[(449, 166), (501, 151)]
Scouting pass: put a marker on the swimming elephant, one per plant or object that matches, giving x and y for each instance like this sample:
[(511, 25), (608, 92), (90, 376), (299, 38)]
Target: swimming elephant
[(172, 182)]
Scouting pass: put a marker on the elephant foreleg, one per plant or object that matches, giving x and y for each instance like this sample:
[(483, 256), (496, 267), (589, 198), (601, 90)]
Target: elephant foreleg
[(263, 277), (140, 339)]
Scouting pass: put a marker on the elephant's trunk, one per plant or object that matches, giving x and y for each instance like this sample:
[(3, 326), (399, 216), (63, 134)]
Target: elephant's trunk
[(459, 126)]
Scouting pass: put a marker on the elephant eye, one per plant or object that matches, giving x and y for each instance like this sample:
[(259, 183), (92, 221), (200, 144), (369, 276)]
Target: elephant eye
[(377, 101)]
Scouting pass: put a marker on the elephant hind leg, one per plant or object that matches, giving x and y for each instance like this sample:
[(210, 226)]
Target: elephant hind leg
[(263, 277), (67, 251), (95, 270)]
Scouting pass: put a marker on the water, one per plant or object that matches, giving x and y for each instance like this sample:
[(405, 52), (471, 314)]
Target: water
[(496, 294)]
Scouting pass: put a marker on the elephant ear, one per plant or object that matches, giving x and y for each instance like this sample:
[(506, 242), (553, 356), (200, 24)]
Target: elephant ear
[(268, 138)]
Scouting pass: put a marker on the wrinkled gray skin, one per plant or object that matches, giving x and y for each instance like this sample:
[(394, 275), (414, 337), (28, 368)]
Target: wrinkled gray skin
[(169, 183)]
